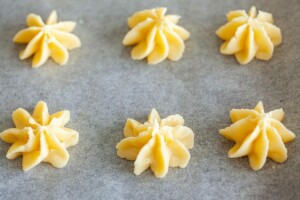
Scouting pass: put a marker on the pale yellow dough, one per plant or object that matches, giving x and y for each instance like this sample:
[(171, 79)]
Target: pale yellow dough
[(158, 144), (156, 36), (40, 137), (258, 135), (249, 35), (51, 39)]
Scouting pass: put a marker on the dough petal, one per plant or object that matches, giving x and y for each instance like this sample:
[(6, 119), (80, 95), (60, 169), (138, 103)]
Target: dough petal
[(172, 18), (141, 16), (180, 155), (21, 118), (58, 155), (161, 157), (33, 158), (285, 134), (160, 51), (239, 130), (34, 20), (236, 13), (25, 141), (60, 118), (265, 17), (52, 19), (130, 147), (260, 108), (58, 52), (277, 150), (277, 114), (236, 43), (173, 121), (68, 137), (26, 35), (42, 55), (185, 135), (264, 43), (252, 12), (243, 148), (176, 45), (41, 113), (68, 40), (144, 48), (32, 47), (273, 32), (160, 12), (143, 157), (154, 116), (250, 49), (138, 33), (238, 114), (12, 135), (67, 26), (258, 156), (227, 31), (133, 128), (183, 33)]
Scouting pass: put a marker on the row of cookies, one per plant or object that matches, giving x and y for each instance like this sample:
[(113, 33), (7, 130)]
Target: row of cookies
[(156, 36), (158, 143)]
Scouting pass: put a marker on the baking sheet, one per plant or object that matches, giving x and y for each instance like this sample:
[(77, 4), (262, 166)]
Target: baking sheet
[(102, 87)]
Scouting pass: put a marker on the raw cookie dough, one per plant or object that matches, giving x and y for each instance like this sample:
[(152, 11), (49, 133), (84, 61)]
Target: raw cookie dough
[(158, 144), (258, 135), (156, 36), (249, 35), (40, 137), (52, 39)]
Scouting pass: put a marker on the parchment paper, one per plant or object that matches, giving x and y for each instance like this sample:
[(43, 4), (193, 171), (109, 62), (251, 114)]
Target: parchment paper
[(102, 87)]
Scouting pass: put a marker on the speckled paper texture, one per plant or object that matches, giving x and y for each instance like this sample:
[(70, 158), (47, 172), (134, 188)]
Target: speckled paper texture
[(102, 86)]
